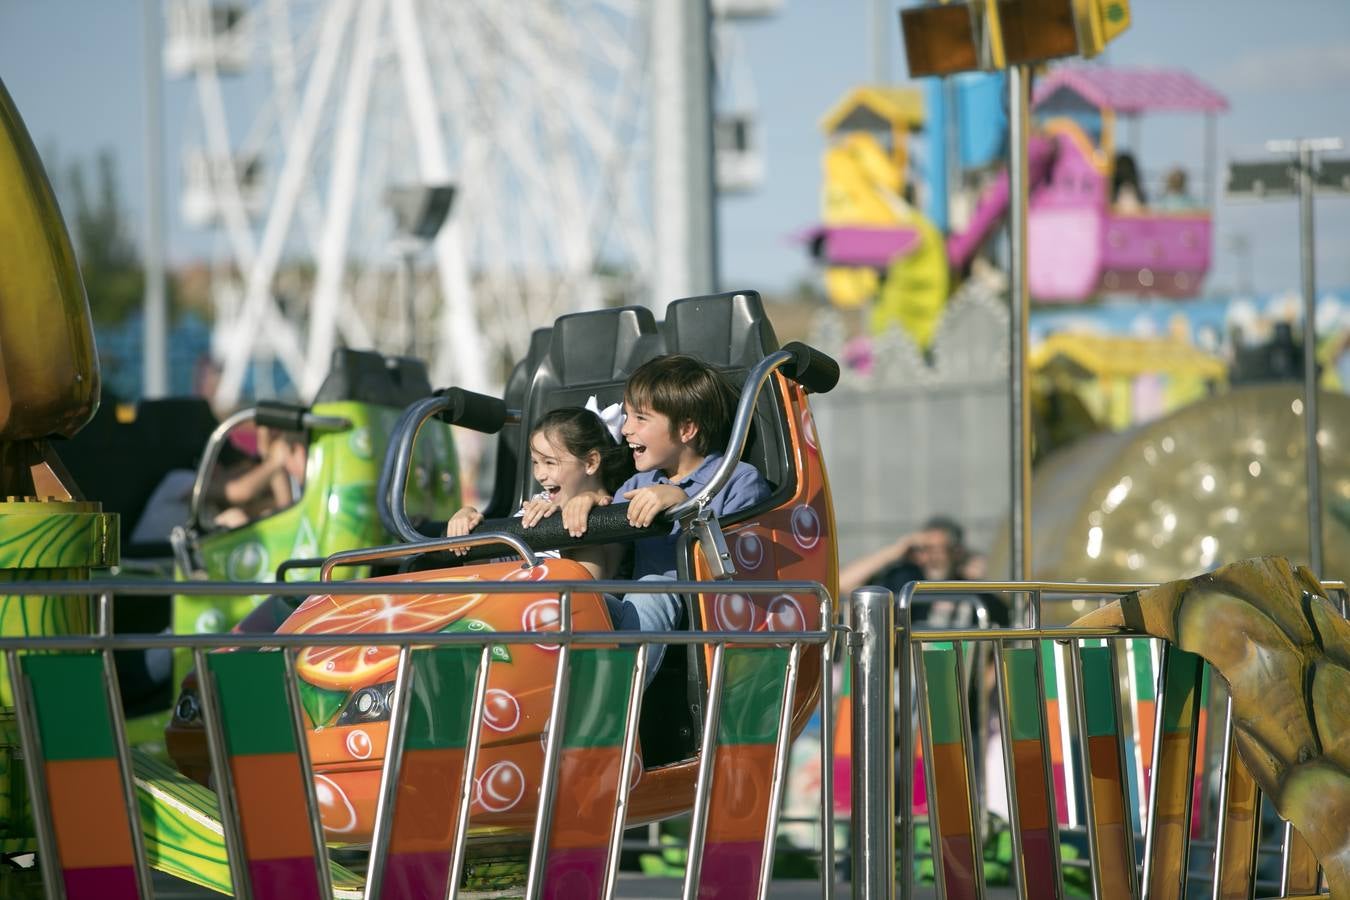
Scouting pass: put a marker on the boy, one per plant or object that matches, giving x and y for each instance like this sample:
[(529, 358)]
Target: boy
[(678, 413)]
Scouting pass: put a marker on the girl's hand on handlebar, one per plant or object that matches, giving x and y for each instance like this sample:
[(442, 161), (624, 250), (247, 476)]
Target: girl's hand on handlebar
[(536, 510), (576, 511), (465, 520)]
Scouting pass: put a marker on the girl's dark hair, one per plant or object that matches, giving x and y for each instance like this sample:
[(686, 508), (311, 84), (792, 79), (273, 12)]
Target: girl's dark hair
[(579, 431)]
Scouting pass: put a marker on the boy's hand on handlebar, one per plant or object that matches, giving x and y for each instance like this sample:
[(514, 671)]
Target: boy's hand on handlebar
[(465, 520), (576, 511), (646, 503), (536, 510)]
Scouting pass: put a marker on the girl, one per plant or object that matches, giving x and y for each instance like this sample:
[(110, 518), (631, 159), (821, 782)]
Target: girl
[(575, 458)]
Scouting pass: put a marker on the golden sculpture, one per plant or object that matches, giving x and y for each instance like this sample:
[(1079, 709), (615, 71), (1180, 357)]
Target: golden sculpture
[(1269, 630)]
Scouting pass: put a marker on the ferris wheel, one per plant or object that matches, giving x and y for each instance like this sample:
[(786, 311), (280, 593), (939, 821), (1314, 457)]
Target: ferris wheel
[(331, 136)]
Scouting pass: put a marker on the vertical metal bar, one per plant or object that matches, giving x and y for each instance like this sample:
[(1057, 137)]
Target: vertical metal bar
[(827, 750), (34, 761), (1131, 871), (698, 823), (393, 764), (929, 776), (1308, 272), (1047, 765), (112, 696), (874, 744), (289, 655), (220, 766), (1150, 835), (1019, 80), (105, 614), (779, 770), (973, 797), (1074, 673), (1221, 835), (630, 734), (903, 652), (557, 717), (470, 764), (1018, 867)]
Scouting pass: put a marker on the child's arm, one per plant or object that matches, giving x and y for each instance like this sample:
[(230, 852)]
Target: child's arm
[(536, 510), (646, 503), (576, 510)]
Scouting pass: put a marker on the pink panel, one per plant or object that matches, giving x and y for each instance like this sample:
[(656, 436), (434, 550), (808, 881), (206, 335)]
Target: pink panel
[(1064, 252)]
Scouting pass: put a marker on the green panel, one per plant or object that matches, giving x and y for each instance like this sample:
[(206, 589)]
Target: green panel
[(944, 703), (441, 697), (599, 687), (752, 695), (1051, 676), (1024, 707), (72, 707), (31, 538), (1181, 691), (1099, 694), (251, 689), (1143, 668)]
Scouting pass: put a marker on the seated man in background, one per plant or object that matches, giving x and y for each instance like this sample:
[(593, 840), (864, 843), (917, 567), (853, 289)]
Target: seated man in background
[(936, 552)]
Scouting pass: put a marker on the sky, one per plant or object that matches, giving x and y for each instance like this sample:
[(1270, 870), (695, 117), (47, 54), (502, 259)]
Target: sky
[(74, 68)]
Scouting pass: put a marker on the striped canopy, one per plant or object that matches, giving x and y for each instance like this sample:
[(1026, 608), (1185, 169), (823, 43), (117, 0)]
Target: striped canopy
[(1133, 91)]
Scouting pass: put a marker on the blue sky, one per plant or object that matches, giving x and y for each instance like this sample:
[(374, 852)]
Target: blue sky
[(74, 69)]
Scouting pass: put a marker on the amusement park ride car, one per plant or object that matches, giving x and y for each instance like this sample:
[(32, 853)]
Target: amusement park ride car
[(790, 536)]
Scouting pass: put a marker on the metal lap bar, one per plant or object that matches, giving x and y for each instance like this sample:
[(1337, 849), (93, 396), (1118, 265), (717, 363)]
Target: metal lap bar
[(957, 856), (591, 766), (424, 803), (1026, 764), (1239, 823), (1167, 844), (79, 775), (748, 770), (260, 776), (1098, 732)]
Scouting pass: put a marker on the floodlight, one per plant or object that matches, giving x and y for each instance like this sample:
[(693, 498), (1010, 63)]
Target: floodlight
[(420, 210)]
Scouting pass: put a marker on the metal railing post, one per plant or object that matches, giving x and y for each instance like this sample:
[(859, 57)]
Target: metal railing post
[(873, 645)]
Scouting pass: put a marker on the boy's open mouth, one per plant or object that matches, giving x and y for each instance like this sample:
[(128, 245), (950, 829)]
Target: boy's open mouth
[(637, 448)]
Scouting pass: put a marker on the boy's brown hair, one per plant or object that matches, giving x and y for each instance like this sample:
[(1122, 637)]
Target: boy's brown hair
[(685, 389)]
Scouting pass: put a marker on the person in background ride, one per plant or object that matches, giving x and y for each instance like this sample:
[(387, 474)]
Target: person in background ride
[(936, 552), (1127, 192), (572, 453), (678, 415), (1175, 197), (268, 486)]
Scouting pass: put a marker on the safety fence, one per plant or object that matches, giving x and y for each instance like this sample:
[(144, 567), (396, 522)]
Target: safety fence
[(104, 815), (1097, 749)]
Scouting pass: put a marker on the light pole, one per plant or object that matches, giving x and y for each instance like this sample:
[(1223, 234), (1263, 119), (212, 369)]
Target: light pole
[(1300, 175), (419, 212)]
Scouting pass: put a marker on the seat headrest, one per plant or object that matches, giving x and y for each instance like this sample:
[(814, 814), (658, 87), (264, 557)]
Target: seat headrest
[(365, 376), (728, 330)]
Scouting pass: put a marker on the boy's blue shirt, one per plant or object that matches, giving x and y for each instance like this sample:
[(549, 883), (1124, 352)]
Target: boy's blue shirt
[(745, 488)]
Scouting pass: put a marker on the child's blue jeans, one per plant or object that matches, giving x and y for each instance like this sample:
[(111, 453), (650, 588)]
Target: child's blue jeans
[(646, 612)]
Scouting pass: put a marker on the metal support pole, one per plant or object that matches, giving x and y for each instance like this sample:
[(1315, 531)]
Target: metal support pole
[(155, 374), (1019, 82), (408, 292), (1308, 280), (683, 175), (873, 640)]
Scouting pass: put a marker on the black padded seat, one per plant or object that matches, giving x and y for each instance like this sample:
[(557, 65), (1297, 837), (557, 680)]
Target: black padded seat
[(510, 439), (366, 376), (593, 353)]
